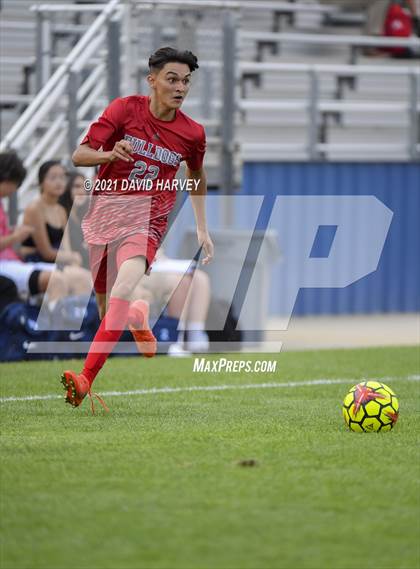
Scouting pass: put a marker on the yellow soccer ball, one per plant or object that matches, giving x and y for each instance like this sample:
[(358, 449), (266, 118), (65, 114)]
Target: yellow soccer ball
[(370, 407)]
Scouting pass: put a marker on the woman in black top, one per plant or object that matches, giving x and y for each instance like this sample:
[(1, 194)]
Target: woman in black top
[(50, 240)]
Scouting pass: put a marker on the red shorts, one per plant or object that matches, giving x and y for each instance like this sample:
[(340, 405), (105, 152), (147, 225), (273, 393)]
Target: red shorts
[(106, 260)]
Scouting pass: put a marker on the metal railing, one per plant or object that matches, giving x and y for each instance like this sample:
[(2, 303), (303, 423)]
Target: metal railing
[(81, 91), (354, 42), (314, 106), (287, 7), (55, 86), (46, 119)]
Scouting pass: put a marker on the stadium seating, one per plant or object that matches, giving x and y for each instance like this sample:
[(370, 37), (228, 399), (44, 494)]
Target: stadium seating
[(263, 130)]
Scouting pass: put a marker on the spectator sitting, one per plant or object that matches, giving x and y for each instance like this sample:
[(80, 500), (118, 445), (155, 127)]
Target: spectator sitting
[(401, 21), (19, 279), (392, 18), (49, 242), (75, 200)]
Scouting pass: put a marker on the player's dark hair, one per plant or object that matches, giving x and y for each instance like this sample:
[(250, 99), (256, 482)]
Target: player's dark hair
[(166, 55), (11, 168), (45, 167)]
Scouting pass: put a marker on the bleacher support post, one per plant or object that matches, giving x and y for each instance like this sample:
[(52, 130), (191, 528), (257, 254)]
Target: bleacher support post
[(186, 25), (43, 49), (313, 115), (13, 209), (156, 29), (206, 81), (354, 52), (72, 88), (113, 60), (228, 112), (131, 51)]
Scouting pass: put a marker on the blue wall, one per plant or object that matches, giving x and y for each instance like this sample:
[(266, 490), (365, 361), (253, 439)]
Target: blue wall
[(395, 285)]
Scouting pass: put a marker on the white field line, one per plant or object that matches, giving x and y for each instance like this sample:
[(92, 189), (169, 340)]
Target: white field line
[(274, 385)]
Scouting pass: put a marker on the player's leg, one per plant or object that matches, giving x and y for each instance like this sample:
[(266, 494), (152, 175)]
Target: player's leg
[(143, 292), (109, 331), (138, 321), (116, 316), (188, 299), (139, 326), (118, 267), (129, 275), (169, 289), (104, 273), (138, 316)]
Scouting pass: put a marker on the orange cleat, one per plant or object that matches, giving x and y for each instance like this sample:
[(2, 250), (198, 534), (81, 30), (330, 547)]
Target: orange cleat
[(138, 324), (77, 387)]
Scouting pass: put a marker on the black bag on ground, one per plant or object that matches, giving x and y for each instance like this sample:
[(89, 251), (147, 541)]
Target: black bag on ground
[(19, 329)]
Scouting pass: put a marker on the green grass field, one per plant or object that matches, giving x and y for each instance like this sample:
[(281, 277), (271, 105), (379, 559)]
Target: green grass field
[(157, 483)]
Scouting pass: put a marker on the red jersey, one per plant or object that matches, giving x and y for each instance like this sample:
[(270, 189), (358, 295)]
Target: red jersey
[(8, 253), (128, 195)]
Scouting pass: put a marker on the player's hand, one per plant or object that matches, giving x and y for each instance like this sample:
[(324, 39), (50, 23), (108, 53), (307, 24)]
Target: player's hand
[(121, 151), (22, 232), (205, 241)]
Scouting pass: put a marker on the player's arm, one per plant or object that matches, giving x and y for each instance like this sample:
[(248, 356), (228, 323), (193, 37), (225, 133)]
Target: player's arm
[(85, 155), (101, 132), (198, 201)]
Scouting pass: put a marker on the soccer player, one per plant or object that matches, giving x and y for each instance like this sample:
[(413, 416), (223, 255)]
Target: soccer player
[(138, 142)]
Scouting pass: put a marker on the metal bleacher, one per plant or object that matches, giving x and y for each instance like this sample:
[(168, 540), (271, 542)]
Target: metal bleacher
[(301, 86)]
